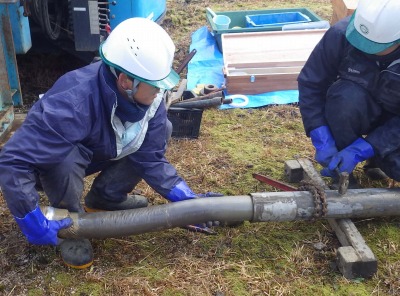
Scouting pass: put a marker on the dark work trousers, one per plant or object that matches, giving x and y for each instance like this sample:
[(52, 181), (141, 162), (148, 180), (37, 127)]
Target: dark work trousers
[(64, 183), (351, 113)]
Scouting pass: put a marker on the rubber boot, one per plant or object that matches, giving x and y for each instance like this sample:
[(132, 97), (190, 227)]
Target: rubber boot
[(95, 203), (372, 170), (77, 253)]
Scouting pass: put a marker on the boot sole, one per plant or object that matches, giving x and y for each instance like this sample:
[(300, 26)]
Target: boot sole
[(375, 174), (91, 210), (77, 253), (79, 266)]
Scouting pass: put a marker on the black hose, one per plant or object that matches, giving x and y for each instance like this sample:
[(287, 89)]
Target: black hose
[(51, 22), (36, 12)]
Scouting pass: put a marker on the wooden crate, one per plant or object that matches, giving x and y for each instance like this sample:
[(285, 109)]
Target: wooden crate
[(342, 8), (266, 61)]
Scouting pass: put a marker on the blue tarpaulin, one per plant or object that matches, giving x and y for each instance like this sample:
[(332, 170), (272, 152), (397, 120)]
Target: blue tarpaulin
[(206, 67)]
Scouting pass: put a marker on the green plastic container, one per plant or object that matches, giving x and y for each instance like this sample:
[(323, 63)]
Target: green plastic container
[(239, 24)]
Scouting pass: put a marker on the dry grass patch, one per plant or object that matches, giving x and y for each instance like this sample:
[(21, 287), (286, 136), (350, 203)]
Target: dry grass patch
[(291, 258)]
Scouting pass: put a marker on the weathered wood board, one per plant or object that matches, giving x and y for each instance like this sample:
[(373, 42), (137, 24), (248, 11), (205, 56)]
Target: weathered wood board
[(354, 258), (342, 8), (258, 62)]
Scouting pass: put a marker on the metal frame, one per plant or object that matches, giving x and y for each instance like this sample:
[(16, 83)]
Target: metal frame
[(10, 89)]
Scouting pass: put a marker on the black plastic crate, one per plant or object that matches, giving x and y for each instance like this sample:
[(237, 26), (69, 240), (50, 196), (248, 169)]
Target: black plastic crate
[(185, 122)]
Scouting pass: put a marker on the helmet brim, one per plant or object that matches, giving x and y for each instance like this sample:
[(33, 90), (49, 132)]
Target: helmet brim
[(167, 83), (360, 42)]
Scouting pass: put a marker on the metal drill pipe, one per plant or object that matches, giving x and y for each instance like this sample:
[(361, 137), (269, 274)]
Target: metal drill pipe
[(259, 207), (207, 103), (156, 218), (219, 94), (299, 205)]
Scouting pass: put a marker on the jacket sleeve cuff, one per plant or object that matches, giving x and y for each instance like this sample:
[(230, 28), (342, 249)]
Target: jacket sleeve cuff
[(28, 224), (365, 148)]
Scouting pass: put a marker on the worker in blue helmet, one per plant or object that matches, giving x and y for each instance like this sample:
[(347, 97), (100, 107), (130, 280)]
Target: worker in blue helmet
[(107, 117), (349, 93)]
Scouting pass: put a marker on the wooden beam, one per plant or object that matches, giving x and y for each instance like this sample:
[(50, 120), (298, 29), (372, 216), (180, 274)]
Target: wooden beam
[(342, 8), (355, 258)]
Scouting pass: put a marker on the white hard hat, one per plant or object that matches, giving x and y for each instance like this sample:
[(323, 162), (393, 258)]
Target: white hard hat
[(143, 50), (374, 26)]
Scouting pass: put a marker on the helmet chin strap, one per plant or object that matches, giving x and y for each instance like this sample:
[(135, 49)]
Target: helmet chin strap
[(129, 92)]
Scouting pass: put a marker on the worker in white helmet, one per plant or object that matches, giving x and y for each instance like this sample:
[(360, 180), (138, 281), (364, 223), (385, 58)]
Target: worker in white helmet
[(107, 117), (349, 93)]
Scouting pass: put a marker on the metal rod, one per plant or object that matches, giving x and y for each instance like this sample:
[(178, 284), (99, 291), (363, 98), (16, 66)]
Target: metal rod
[(206, 103), (215, 94), (259, 207), (274, 183), (186, 61), (155, 218), (299, 205)]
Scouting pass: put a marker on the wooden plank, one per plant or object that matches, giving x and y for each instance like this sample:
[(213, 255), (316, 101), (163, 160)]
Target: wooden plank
[(342, 8), (257, 62), (355, 259), (266, 64), (341, 236), (351, 266), (293, 171), (311, 173), (261, 83), (264, 71), (355, 239), (277, 46)]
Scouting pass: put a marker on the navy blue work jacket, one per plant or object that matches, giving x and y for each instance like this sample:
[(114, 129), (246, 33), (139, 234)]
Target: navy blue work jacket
[(76, 112), (335, 58)]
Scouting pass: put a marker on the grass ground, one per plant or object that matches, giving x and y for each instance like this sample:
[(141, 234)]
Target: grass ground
[(250, 259)]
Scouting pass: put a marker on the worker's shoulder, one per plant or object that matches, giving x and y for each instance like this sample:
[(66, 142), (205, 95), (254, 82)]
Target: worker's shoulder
[(88, 73), (341, 26), (78, 84), (336, 34)]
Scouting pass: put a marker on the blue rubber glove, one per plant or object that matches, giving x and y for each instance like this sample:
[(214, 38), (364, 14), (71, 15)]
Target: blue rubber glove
[(347, 159), (40, 231), (182, 191), (324, 144)]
